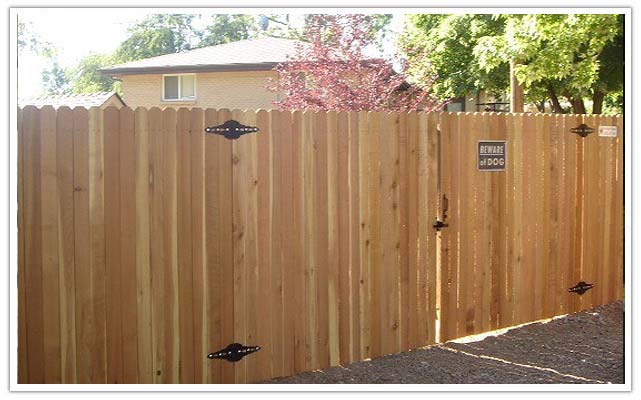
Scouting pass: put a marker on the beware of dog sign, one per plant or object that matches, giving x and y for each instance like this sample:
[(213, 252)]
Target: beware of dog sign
[(491, 155)]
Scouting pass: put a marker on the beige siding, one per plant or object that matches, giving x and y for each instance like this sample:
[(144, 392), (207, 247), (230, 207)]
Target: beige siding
[(232, 90)]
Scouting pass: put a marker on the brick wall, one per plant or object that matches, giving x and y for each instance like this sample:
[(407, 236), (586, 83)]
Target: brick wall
[(232, 90)]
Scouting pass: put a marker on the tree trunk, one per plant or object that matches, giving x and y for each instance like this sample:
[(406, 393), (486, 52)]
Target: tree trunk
[(597, 102), (541, 106), (516, 92), (577, 105), (556, 105)]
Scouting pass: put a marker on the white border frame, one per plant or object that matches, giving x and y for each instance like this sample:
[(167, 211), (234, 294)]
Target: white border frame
[(180, 99), (632, 88)]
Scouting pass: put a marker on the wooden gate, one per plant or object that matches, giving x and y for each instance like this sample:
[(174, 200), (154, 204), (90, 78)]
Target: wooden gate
[(518, 239), (145, 243)]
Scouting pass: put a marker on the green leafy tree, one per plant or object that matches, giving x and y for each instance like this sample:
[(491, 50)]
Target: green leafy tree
[(55, 79), (571, 56), (156, 35), (225, 28), (608, 88), (283, 25), (450, 40), (86, 77), (559, 58), (29, 40), (279, 25)]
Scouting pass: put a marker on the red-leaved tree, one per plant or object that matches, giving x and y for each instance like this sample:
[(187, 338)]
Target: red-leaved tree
[(330, 72)]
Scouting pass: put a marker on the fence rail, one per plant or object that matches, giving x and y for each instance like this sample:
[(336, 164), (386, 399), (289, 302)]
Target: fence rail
[(145, 243)]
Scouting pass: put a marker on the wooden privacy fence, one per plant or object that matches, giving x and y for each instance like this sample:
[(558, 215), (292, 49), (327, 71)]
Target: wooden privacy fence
[(145, 244)]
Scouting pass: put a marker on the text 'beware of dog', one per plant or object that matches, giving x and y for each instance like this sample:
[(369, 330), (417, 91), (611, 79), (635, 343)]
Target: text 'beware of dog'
[(491, 155)]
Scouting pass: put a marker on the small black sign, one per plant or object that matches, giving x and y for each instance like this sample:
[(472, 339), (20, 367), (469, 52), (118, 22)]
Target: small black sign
[(491, 155)]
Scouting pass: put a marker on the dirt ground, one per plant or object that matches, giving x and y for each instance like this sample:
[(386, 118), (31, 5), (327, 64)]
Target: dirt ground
[(586, 347)]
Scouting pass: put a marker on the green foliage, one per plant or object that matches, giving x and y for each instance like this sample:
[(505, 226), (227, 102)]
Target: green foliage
[(28, 40), (225, 28), (55, 80), (611, 63), (553, 47), (613, 103), (569, 56), (156, 35), (279, 25), (86, 77), (444, 45)]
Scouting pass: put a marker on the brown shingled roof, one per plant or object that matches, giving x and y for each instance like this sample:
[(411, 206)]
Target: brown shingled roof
[(86, 100), (244, 55)]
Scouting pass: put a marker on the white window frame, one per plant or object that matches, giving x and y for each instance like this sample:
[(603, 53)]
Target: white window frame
[(180, 98)]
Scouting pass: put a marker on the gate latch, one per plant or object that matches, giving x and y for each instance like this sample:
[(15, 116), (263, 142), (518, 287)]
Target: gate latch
[(439, 224)]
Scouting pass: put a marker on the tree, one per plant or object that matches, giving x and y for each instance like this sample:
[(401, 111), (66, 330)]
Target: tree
[(562, 53), (608, 88), (156, 35), (331, 71), (443, 45), (225, 28), (29, 40), (558, 58), (279, 25), (86, 77), (55, 80), (285, 26)]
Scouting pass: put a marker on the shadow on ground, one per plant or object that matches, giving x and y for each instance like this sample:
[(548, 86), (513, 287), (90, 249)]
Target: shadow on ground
[(585, 347)]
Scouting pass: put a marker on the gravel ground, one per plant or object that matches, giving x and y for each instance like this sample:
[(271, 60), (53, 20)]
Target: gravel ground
[(585, 347)]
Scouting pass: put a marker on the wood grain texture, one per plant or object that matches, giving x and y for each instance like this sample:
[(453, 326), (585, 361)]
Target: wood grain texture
[(184, 237), (84, 309), (113, 281), (96, 332), (22, 295), (66, 259), (365, 284), (33, 246), (142, 182), (50, 205), (268, 281), (128, 247), (197, 226)]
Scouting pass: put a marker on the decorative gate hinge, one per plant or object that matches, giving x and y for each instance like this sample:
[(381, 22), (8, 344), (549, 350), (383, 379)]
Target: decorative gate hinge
[(581, 288), (231, 129), (582, 130), (234, 352)]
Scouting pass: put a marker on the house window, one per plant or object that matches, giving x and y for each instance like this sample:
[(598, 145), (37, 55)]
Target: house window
[(179, 87)]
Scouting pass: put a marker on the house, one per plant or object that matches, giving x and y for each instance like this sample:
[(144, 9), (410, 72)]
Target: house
[(232, 75), (87, 100), (477, 102)]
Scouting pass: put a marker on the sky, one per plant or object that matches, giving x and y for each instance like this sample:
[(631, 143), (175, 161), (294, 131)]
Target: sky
[(78, 32)]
